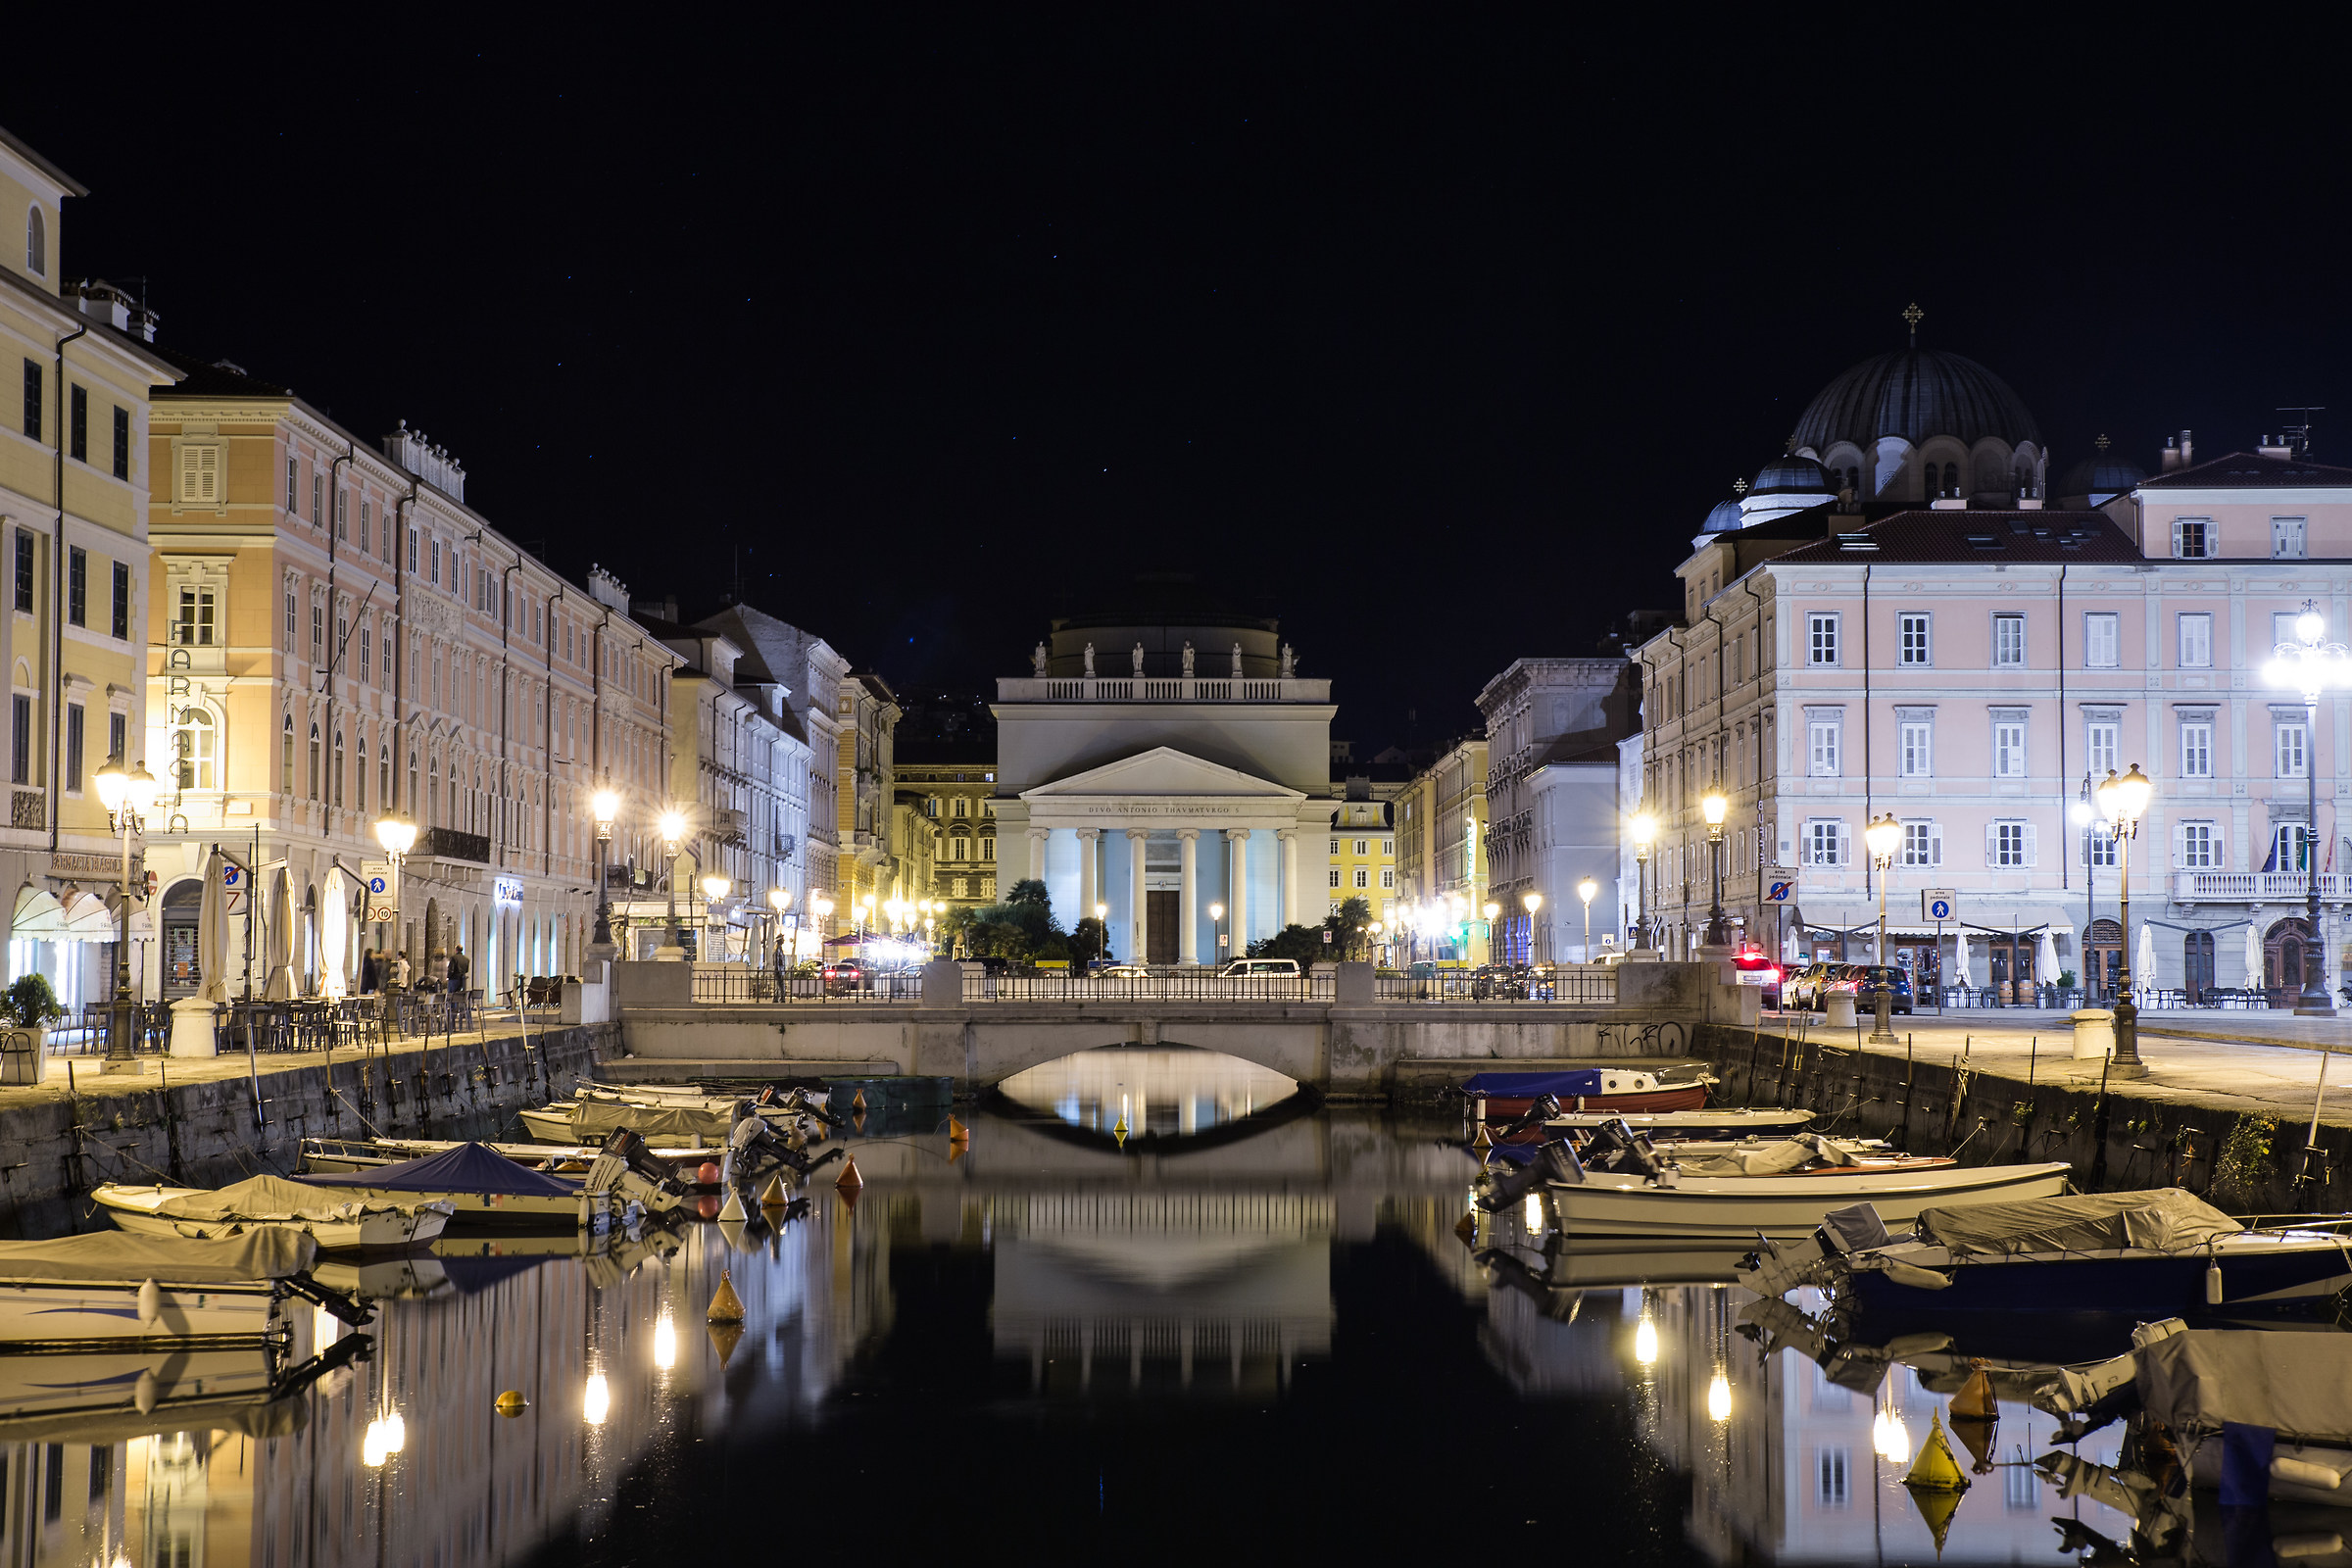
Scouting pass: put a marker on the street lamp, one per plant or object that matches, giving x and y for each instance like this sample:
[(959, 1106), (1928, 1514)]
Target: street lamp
[(1715, 806), (396, 831), (1532, 902), (129, 794), (2310, 666), (605, 805), (2124, 799), (1884, 836), (673, 840), (1588, 890), (714, 889), (820, 909), (1645, 832), (1216, 918)]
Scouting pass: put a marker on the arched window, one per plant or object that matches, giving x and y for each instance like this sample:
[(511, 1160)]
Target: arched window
[(286, 760), (316, 781), (453, 793), (1951, 479), (36, 242), (358, 778), (416, 800), (338, 767), (196, 744), (383, 776)]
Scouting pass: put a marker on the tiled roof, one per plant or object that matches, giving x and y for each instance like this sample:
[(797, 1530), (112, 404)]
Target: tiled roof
[(2251, 470), (214, 379), (1956, 535)]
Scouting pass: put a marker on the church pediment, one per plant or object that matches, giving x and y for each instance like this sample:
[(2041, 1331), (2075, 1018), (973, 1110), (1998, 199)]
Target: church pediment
[(1162, 771)]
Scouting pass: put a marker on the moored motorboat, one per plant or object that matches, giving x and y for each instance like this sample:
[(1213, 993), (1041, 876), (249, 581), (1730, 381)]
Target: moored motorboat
[(113, 1289), (1727, 1123), (339, 1154), (1504, 1095), (485, 1188), (2143, 1254), (338, 1223)]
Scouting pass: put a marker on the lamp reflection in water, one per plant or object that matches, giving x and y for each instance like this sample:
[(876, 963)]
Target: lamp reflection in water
[(596, 1402), (1645, 1341), (385, 1437), (665, 1341), (1719, 1397), (1535, 1212), (1888, 1433)]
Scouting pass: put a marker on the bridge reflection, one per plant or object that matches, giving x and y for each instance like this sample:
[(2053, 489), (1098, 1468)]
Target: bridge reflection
[(1153, 1092)]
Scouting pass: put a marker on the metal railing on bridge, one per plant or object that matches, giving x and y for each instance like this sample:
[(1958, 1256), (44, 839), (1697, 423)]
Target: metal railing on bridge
[(1587, 985), (1149, 985), (1594, 985)]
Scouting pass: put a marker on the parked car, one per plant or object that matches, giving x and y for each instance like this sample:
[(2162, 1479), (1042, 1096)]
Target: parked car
[(1801, 988), (1758, 968), (1861, 981), (845, 975), (1262, 966)]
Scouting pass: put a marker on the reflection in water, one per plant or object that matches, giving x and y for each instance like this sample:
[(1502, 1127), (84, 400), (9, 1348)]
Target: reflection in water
[(1275, 1338), (1157, 1091)]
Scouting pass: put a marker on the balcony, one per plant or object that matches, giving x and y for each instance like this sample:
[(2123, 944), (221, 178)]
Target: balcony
[(1159, 689), (448, 844), (2256, 887)]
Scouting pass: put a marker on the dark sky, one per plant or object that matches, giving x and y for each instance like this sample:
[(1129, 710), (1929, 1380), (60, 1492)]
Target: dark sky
[(1437, 331)]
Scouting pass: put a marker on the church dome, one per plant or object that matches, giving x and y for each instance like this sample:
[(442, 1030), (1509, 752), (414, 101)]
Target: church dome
[(1725, 516), (2102, 476), (1794, 475), (1915, 394)]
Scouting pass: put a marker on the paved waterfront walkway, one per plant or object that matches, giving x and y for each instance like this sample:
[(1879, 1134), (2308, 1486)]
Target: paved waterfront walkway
[(2267, 1063), (79, 1074)]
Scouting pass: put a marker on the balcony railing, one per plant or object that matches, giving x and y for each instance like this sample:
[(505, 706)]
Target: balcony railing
[(1159, 689), (2256, 887), (448, 844)]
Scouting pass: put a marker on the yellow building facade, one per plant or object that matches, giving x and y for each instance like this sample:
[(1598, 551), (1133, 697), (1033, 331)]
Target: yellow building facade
[(79, 370)]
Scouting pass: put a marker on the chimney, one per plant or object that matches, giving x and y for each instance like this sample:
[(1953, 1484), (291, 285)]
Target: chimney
[(2275, 446), (2186, 460)]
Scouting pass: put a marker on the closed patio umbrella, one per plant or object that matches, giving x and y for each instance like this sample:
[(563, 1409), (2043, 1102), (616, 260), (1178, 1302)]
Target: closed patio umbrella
[(334, 946), (280, 985), (2144, 968), (2254, 976), (211, 932), (2045, 959), (1961, 976)]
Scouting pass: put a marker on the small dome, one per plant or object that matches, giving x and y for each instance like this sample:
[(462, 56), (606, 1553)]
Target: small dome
[(1725, 516), (2101, 476), (1914, 394), (1794, 475)]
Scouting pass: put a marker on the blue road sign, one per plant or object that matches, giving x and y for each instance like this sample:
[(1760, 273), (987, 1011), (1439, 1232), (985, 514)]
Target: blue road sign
[(1939, 909), (1779, 893)]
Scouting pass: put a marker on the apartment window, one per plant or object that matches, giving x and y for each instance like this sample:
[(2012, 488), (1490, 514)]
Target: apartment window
[(1388, 879), (358, 777), (383, 776), (2289, 748), (78, 586), (318, 633), (2192, 538), (20, 739), (1362, 877), (1335, 846), (1913, 639), (2009, 845), (1820, 748), (118, 734), (367, 637), (33, 400), (2290, 847), (2282, 626), (2101, 743), (2200, 846), (1335, 876), (119, 608), (1821, 631), (78, 423), (2102, 640), (437, 560), (36, 242), (1834, 1477), (291, 613), (193, 626), (2287, 539), (2196, 640), (1360, 846), (2008, 641), (293, 478), (77, 726), (1923, 845), (24, 572), (367, 518), (1825, 843), (338, 791), (343, 514), (1915, 750), (2008, 748), (2196, 747), (317, 496), (2099, 847), (412, 552), (122, 442), (193, 741)]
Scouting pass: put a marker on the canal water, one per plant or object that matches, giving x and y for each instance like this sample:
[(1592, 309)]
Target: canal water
[(1157, 1306)]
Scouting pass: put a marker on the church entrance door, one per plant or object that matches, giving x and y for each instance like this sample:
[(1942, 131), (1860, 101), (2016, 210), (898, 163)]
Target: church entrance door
[(1159, 925)]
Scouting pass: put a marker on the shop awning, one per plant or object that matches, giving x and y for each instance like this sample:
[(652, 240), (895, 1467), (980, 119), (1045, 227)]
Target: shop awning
[(1982, 918)]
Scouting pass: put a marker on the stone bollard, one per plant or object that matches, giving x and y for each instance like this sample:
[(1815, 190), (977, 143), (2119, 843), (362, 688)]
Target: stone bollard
[(1842, 1010), (2095, 1033), (192, 1028)]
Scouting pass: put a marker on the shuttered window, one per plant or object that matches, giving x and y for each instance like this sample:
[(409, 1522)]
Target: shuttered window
[(199, 474)]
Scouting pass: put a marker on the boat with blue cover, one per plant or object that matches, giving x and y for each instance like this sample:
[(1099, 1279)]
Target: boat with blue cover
[(1508, 1095), (485, 1188)]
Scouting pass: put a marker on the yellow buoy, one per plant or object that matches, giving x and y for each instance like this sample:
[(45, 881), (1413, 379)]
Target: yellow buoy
[(858, 1104), (772, 1195), (957, 1149), (726, 1306), (734, 1209), (1976, 1438), (1466, 1227), (850, 1180), (1937, 1508), (511, 1403), (1483, 1140), (1936, 1470), (724, 1337), (1975, 1401), (958, 1132)]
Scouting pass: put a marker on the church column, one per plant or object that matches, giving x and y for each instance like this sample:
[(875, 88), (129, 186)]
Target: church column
[(1140, 950), (1088, 897), (1237, 901), (1037, 855), (1188, 906), (1294, 899)]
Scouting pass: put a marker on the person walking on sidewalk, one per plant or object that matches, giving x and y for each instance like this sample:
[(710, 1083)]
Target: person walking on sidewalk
[(461, 998)]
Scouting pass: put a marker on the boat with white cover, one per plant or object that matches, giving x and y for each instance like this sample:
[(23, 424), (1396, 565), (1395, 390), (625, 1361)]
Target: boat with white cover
[(485, 1188), (1773, 1190), (114, 1290), (338, 1223)]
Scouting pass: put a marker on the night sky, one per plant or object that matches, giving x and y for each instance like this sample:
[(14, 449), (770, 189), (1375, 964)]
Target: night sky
[(1436, 336)]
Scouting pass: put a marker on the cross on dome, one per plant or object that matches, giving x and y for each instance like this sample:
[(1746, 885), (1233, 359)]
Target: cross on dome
[(1911, 313)]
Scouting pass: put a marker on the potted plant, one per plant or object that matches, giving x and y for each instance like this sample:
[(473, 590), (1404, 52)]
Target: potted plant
[(32, 1006)]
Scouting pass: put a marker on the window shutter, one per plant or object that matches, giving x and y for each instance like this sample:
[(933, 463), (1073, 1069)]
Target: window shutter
[(2176, 540), (2179, 848), (1845, 849), (1993, 839), (2033, 845), (1934, 844)]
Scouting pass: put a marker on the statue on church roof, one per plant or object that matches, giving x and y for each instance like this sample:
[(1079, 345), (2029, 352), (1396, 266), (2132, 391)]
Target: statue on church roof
[(1138, 658), (1037, 660), (1090, 661), (1290, 661), (1188, 660), (1237, 661)]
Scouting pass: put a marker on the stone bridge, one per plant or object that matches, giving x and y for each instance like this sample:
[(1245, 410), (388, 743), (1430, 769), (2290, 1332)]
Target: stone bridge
[(1348, 1046)]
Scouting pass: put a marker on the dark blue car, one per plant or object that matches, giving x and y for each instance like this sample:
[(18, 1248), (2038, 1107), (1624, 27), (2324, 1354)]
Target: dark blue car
[(1862, 982)]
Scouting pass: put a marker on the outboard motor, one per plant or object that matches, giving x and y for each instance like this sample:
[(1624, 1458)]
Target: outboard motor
[(1619, 1149), (1555, 1161), (1544, 1108)]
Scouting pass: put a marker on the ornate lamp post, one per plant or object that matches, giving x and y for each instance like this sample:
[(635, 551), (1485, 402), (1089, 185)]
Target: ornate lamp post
[(1884, 836), (2310, 665), (605, 804), (396, 831), (1588, 890), (1715, 806), (1531, 902), (2124, 799), (673, 841), (1646, 833), (1216, 918), (820, 909), (1490, 909), (780, 900), (129, 794), (716, 889)]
